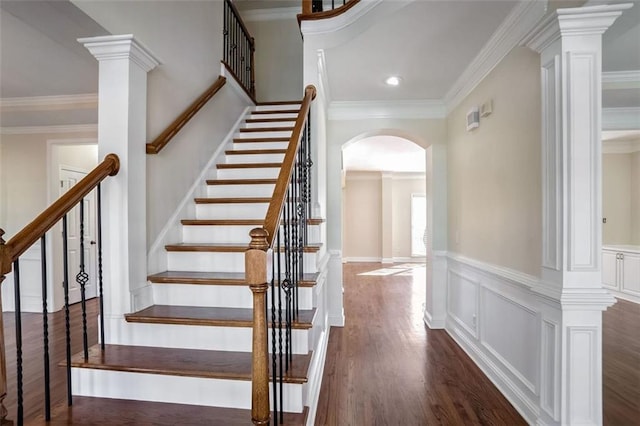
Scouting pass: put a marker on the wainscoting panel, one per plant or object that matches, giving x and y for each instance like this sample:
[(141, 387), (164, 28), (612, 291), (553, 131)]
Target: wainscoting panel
[(463, 300)]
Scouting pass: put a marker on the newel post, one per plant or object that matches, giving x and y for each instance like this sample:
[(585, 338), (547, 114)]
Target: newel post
[(5, 268), (256, 276)]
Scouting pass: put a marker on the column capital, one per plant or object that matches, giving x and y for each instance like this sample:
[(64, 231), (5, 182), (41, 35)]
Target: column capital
[(114, 47), (576, 21)]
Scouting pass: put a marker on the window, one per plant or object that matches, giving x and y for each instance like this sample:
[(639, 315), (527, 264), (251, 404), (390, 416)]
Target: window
[(418, 225)]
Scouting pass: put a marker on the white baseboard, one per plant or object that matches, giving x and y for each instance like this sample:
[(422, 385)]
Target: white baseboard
[(409, 259), (336, 320), (625, 296), (361, 259), (315, 376), (431, 323)]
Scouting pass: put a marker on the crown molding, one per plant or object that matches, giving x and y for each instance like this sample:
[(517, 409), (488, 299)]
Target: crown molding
[(621, 118), (521, 20), (47, 103), (272, 14), (66, 128), (362, 110), (621, 80), (336, 23)]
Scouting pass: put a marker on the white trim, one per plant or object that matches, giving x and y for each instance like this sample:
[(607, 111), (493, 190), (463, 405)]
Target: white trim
[(323, 77), (621, 118), (522, 18), (45, 103), (65, 128), (271, 14), (387, 260), (362, 110), (153, 256), (621, 80), (431, 323), (511, 275), (315, 376), (412, 259), (124, 46)]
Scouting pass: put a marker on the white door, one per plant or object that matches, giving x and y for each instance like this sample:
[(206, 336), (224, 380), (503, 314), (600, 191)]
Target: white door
[(68, 178)]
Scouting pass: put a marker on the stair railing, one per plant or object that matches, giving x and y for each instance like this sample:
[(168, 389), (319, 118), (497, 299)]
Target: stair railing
[(239, 49), (285, 234), (10, 253), (320, 9)]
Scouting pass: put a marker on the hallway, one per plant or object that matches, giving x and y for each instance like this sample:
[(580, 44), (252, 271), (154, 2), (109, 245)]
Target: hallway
[(386, 368)]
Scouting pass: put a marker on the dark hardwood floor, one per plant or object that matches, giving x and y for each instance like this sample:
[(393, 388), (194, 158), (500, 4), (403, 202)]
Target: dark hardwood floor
[(383, 368)]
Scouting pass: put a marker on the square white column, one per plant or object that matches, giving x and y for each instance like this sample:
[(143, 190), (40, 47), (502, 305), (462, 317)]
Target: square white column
[(570, 45), (122, 111)]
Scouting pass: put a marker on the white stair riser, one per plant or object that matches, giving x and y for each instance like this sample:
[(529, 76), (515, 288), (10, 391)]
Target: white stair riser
[(254, 158), (262, 190), (221, 262), (265, 134), (288, 123), (235, 339), (175, 389), (230, 296), (248, 173), (229, 233), (260, 145), (277, 107), (231, 211), (292, 117)]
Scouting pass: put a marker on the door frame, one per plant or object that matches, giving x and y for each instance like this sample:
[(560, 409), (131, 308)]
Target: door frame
[(55, 299)]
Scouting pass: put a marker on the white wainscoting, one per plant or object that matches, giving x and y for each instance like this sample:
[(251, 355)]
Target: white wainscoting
[(503, 326)]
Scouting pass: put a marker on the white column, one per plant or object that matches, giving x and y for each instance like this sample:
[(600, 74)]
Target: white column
[(122, 112), (386, 213), (570, 45)]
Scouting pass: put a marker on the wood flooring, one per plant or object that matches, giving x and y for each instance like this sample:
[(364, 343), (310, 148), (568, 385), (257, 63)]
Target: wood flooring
[(383, 368)]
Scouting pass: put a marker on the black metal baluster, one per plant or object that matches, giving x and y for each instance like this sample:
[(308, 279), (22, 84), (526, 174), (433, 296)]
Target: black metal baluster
[(100, 283), (225, 33), (45, 329), (82, 278), (18, 313), (333, 4), (65, 285), (280, 289), (274, 355), (309, 165)]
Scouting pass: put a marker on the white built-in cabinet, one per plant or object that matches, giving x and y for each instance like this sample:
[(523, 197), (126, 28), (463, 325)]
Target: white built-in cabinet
[(621, 271)]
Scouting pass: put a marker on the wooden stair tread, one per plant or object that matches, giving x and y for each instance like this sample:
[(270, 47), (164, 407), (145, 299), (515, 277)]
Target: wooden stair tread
[(110, 411), (248, 165), (241, 181), (214, 278), (182, 362), (254, 140), (226, 247), (266, 129), (255, 151), (209, 316), (234, 222), (231, 200), (277, 111)]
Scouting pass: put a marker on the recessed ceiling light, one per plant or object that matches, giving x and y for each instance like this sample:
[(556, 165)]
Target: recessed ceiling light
[(393, 80)]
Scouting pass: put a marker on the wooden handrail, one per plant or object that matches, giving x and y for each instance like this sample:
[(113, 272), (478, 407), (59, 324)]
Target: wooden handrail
[(17, 245), (272, 218), (308, 15), (163, 139)]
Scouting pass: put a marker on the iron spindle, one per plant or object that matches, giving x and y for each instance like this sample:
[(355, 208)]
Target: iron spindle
[(45, 329), (82, 278), (100, 286), (274, 355), (280, 366), (18, 313), (65, 285)]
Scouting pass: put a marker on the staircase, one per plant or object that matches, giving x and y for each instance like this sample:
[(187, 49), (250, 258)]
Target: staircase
[(188, 356)]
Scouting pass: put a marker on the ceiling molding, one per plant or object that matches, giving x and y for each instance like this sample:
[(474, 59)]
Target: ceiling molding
[(271, 14), (71, 128), (621, 118), (336, 23), (620, 147), (48, 103), (362, 110), (621, 80), (520, 21)]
